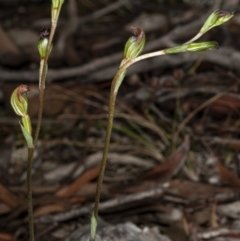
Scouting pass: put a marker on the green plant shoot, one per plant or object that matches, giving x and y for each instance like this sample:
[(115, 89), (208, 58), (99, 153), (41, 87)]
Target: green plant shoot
[(133, 48)]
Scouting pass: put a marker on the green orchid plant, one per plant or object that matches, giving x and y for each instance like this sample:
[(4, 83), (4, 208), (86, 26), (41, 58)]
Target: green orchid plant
[(133, 49), (19, 102)]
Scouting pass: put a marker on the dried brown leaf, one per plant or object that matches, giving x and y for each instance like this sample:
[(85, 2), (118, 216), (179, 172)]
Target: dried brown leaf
[(52, 208), (7, 197), (4, 209), (227, 176), (171, 166), (6, 237), (83, 179), (225, 105), (197, 192), (214, 216), (230, 100), (77, 200)]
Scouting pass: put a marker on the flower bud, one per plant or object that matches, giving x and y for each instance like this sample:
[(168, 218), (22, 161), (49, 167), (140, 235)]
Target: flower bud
[(19, 100), (43, 43), (192, 47), (135, 44), (215, 19), (198, 47)]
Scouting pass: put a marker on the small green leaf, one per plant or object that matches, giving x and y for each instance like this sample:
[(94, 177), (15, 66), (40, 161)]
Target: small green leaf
[(119, 81), (27, 124), (93, 227), (27, 137)]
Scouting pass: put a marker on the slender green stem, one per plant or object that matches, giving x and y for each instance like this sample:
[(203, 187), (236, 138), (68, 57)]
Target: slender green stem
[(42, 80), (40, 110), (29, 191), (114, 89), (113, 94), (107, 141), (194, 38), (42, 77), (105, 151)]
